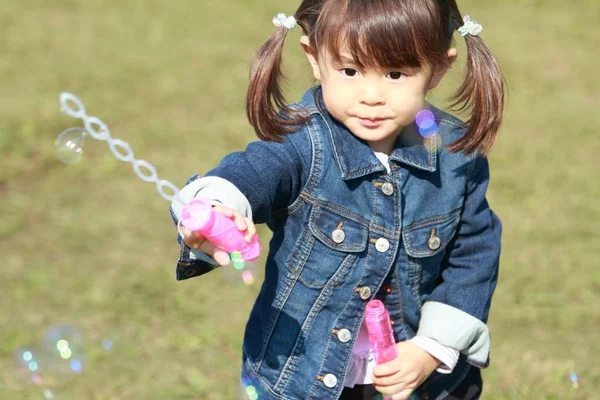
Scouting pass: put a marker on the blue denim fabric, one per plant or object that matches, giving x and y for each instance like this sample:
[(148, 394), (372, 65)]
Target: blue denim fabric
[(322, 179)]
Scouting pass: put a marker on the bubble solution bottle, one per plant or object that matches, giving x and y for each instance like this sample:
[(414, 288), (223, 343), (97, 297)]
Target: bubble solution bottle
[(380, 331), (199, 216), (381, 337)]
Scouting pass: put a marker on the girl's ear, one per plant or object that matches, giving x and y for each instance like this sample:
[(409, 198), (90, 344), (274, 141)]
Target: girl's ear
[(311, 54), (439, 73)]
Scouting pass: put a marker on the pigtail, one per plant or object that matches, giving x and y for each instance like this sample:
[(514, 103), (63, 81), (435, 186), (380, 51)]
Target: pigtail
[(266, 108), (481, 93)]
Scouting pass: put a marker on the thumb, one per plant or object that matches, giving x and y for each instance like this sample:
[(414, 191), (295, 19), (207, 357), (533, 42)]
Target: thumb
[(221, 257)]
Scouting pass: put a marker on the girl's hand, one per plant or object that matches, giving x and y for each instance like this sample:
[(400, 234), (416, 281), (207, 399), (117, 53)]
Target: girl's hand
[(194, 240), (400, 377)]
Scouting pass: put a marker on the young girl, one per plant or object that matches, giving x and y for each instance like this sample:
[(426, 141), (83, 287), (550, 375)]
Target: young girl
[(366, 200)]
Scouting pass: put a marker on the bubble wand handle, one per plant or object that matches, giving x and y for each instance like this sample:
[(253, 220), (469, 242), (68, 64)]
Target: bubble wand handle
[(380, 331), (381, 336), (199, 216)]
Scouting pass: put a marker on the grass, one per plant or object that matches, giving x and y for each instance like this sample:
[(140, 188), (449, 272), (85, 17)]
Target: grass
[(93, 246)]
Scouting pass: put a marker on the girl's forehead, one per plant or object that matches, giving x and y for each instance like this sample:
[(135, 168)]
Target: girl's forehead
[(386, 33)]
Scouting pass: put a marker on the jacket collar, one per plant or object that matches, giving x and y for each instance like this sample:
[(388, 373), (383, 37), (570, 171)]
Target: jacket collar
[(356, 158)]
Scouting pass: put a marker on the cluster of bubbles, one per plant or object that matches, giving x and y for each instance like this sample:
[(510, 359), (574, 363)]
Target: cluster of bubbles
[(251, 392), (69, 149), (428, 129), (246, 268), (59, 356), (425, 120), (66, 344)]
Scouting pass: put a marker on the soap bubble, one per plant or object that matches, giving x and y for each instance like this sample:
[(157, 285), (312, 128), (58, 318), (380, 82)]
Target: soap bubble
[(248, 277), (248, 391), (425, 120), (251, 392), (32, 368), (29, 364), (64, 346), (574, 380), (107, 344), (69, 145), (240, 271)]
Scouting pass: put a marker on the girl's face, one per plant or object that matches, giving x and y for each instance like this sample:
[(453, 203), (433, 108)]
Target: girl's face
[(374, 104)]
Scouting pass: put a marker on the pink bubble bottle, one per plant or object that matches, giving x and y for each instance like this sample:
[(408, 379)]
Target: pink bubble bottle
[(199, 216), (380, 331), (381, 334)]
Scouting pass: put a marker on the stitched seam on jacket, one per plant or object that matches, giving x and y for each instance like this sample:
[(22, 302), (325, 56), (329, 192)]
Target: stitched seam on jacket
[(312, 314)]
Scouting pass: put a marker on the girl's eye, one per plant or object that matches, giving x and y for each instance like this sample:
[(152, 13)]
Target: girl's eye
[(349, 72), (395, 75)]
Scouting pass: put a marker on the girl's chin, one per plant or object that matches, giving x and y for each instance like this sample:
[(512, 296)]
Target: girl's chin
[(374, 134)]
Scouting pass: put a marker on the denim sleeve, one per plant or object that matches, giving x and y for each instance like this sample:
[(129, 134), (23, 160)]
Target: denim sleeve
[(269, 174), (456, 311), (265, 177)]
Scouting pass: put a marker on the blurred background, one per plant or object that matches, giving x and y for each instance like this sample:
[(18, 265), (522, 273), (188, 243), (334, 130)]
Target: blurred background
[(88, 250)]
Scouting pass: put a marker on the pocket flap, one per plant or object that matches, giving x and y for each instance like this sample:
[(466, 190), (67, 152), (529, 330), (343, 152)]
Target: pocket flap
[(430, 236), (338, 232)]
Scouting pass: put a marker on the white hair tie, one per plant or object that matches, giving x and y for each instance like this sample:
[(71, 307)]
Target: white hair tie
[(282, 20), (471, 27)]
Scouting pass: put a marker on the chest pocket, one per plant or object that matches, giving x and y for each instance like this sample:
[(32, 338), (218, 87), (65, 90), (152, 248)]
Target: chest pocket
[(329, 248), (425, 242)]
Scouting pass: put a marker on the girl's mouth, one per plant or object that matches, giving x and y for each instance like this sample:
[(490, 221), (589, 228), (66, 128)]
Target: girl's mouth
[(371, 123)]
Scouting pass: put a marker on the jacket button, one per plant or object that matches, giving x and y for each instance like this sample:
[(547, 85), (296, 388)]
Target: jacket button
[(382, 245), (344, 335), (330, 380), (190, 272), (387, 189), (434, 242), (338, 236), (365, 292)]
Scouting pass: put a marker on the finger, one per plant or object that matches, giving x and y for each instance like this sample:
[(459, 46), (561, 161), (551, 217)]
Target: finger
[(251, 231), (240, 221), (193, 239), (224, 210), (207, 247), (390, 380), (222, 257), (238, 218), (386, 369)]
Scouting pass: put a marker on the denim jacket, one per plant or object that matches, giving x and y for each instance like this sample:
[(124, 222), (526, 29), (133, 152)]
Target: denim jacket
[(421, 238)]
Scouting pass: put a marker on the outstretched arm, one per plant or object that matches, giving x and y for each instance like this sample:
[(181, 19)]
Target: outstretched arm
[(250, 185)]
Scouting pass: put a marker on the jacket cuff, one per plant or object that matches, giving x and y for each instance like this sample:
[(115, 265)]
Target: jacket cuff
[(217, 191), (456, 329)]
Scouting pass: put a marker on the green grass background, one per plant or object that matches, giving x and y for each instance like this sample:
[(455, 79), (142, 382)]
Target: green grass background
[(93, 246)]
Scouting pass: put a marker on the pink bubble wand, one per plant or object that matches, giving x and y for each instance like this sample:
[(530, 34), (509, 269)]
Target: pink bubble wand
[(381, 335), (198, 215), (380, 331)]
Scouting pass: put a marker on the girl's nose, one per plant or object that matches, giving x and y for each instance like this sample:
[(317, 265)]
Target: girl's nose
[(372, 95)]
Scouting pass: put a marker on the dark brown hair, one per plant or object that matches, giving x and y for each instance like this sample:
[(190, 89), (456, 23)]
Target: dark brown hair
[(382, 33)]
